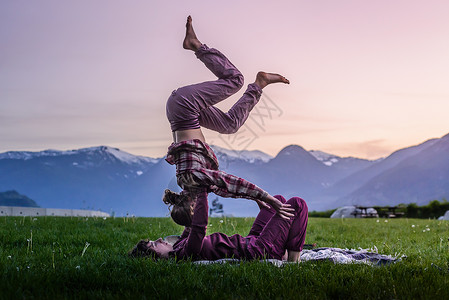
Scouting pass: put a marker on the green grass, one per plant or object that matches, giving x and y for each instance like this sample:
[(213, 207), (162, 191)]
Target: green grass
[(43, 258)]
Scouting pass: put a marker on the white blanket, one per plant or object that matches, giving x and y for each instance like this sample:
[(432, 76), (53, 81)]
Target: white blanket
[(336, 255)]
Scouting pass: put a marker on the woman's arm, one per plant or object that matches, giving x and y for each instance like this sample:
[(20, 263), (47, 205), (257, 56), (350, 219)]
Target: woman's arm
[(228, 185), (185, 233), (199, 224)]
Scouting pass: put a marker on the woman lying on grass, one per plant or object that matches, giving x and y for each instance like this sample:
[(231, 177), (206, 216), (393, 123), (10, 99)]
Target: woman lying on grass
[(270, 236)]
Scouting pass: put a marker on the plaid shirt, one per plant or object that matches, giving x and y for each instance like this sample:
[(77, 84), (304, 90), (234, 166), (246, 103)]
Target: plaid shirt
[(197, 166)]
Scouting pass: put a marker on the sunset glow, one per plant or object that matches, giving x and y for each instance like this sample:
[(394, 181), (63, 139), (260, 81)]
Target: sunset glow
[(367, 77)]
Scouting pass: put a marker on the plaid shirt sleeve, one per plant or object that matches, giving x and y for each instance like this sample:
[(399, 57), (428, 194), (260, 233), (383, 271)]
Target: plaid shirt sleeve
[(197, 158), (228, 185)]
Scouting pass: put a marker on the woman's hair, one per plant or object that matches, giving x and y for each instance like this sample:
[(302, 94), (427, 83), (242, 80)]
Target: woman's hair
[(181, 209), (142, 250)]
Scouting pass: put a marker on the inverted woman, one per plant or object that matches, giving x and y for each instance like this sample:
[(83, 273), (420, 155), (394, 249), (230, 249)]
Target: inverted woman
[(191, 107), (270, 237)]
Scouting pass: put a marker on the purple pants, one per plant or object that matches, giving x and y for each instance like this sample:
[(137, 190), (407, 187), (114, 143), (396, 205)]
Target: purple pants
[(271, 235), (191, 106)]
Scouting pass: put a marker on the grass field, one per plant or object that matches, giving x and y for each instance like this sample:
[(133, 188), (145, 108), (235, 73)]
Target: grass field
[(56, 257)]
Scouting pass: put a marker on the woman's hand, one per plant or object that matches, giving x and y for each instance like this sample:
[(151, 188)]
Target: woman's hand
[(262, 204), (282, 209)]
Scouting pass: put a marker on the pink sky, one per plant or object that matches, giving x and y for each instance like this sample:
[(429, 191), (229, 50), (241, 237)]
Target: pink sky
[(367, 77)]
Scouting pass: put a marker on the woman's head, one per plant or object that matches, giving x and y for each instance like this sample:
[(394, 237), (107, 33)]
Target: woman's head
[(181, 207), (155, 249)]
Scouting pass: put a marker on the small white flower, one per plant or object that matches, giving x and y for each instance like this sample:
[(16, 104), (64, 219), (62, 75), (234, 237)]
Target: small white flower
[(9, 256), (17, 269), (386, 221), (424, 230), (28, 267), (78, 267), (428, 229), (413, 226), (35, 219), (377, 221), (85, 248), (221, 221), (104, 218)]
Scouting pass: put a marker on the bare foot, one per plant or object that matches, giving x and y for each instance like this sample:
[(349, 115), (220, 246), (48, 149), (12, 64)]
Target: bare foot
[(263, 79), (191, 42)]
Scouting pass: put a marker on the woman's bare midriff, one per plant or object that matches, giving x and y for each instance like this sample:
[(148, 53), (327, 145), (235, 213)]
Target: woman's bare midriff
[(189, 134)]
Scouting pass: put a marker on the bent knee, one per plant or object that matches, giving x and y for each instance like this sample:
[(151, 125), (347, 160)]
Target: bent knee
[(298, 204), (235, 82), (238, 79)]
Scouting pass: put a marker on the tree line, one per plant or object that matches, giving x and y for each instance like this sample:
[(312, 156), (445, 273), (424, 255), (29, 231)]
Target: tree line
[(433, 210)]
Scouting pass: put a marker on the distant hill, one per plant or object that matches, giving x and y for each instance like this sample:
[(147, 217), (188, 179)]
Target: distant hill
[(358, 179), (13, 198), (96, 178), (419, 177), (114, 181)]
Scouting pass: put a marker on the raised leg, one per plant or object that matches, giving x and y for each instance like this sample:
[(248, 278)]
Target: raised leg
[(297, 232), (263, 218), (185, 104), (205, 94), (280, 234), (230, 122), (230, 80)]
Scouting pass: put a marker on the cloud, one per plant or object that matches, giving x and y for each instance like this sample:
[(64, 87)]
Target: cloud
[(371, 149)]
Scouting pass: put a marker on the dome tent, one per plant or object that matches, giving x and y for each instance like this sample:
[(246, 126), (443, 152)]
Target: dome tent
[(351, 212), (445, 216)]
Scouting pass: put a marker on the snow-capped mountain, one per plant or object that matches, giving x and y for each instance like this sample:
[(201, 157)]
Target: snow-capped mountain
[(325, 158), (115, 152), (347, 165), (253, 156), (118, 182)]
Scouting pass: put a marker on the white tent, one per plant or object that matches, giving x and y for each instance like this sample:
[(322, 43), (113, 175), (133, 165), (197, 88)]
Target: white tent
[(445, 216), (351, 212)]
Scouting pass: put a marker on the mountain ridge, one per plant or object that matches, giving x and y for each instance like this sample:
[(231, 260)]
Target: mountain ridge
[(109, 179), (13, 198)]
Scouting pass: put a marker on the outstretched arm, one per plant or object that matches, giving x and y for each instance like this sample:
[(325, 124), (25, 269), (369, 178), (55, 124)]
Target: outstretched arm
[(186, 232), (199, 224), (228, 185)]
